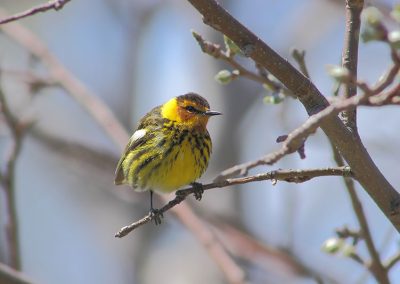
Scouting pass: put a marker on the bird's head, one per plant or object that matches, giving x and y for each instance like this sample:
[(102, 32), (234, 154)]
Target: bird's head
[(189, 110)]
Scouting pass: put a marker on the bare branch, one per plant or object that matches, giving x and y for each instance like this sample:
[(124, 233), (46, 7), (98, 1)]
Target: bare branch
[(392, 261), (350, 56), (55, 4), (349, 117), (296, 176), (299, 56), (379, 271)]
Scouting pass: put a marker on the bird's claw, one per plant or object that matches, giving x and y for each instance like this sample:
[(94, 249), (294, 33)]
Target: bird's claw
[(156, 215), (198, 190)]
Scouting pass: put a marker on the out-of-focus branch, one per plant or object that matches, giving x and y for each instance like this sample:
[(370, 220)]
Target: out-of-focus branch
[(105, 118), (11, 276), (32, 80), (7, 182), (75, 88), (55, 4), (296, 176), (271, 260)]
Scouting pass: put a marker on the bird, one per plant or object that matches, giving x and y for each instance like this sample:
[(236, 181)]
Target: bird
[(170, 148)]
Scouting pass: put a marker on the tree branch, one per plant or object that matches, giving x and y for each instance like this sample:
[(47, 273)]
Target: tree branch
[(296, 176), (392, 261), (376, 267), (55, 4), (349, 118), (349, 145), (350, 56), (300, 56)]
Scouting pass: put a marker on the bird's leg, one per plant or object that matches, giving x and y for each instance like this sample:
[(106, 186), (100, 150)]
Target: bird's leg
[(155, 214), (198, 190)]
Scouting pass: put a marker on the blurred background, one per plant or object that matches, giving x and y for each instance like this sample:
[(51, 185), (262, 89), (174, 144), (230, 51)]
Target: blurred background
[(135, 55)]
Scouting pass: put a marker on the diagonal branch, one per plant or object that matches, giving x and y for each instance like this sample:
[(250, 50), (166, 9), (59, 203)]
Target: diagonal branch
[(55, 4), (295, 176)]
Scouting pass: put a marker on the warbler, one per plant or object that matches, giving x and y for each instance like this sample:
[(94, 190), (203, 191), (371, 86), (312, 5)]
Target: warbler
[(170, 148)]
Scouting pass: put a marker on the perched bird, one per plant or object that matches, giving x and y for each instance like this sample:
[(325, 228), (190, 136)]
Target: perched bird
[(170, 148)]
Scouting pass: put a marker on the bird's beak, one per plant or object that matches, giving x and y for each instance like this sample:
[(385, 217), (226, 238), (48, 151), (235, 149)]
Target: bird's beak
[(212, 113)]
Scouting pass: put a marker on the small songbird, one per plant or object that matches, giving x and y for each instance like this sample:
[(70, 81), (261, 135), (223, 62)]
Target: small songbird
[(170, 148)]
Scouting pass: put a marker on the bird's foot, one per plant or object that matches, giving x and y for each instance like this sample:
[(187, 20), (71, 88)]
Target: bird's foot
[(198, 190), (156, 215)]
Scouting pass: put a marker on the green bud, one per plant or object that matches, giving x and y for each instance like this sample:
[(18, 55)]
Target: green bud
[(224, 77), (371, 34), (372, 16), (394, 39), (274, 98), (348, 250), (332, 245), (267, 87), (231, 47), (339, 73)]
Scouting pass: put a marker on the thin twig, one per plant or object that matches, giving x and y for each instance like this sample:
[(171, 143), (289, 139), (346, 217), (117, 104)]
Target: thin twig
[(350, 56), (392, 261), (55, 4), (296, 176), (376, 264), (390, 97), (299, 56)]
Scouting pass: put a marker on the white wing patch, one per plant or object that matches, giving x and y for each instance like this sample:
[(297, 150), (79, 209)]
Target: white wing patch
[(138, 134)]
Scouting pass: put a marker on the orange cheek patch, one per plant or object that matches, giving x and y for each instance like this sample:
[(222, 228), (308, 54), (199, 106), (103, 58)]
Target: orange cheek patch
[(184, 114)]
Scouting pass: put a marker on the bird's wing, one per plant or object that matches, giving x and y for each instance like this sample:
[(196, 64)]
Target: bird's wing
[(140, 136)]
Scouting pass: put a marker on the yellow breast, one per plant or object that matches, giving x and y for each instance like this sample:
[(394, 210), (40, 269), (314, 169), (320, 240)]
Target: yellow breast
[(182, 166)]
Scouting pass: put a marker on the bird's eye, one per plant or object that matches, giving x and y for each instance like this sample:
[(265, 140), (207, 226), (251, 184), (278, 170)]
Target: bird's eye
[(191, 109)]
